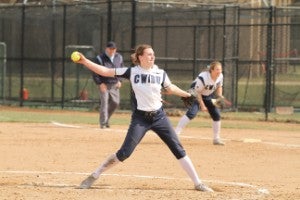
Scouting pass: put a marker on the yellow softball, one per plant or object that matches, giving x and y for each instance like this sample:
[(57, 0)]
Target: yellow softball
[(75, 56)]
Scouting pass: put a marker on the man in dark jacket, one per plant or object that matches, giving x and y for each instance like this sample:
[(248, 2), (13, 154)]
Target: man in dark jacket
[(108, 86)]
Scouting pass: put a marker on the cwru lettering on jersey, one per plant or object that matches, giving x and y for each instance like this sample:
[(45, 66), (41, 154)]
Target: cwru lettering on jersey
[(146, 78), (209, 87)]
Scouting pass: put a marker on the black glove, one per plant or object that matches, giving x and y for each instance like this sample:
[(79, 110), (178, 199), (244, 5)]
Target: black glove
[(188, 101), (219, 102)]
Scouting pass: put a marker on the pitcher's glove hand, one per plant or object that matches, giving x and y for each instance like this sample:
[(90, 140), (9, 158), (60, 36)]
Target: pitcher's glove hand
[(188, 101)]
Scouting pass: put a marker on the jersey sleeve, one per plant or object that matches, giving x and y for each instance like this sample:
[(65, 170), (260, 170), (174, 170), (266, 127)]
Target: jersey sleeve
[(166, 80), (220, 82), (123, 72), (199, 85)]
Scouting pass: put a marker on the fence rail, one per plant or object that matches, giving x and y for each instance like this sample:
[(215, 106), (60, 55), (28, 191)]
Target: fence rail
[(257, 47)]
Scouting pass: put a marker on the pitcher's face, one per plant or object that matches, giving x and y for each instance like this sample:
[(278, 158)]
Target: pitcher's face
[(148, 58)]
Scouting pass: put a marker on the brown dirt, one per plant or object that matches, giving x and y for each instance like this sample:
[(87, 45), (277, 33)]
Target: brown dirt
[(48, 161)]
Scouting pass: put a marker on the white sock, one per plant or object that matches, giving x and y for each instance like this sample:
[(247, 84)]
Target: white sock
[(188, 166), (181, 124), (216, 129), (108, 163)]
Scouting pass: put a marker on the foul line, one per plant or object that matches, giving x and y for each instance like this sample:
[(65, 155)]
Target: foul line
[(259, 190), (64, 125)]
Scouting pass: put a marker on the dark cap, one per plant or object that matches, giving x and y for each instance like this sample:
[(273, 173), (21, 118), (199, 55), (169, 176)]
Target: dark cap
[(111, 44)]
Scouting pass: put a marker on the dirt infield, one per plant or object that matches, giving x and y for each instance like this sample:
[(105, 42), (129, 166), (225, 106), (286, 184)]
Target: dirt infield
[(48, 160)]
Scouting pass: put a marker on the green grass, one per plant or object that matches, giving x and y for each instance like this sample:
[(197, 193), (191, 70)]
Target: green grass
[(250, 94), (236, 120), (251, 120), (33, 117)]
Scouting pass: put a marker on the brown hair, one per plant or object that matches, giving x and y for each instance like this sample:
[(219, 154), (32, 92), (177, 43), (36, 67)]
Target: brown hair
[(139, 50), (213, 64)]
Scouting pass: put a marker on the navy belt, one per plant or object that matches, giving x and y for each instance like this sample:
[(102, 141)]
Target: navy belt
[(147, 114)]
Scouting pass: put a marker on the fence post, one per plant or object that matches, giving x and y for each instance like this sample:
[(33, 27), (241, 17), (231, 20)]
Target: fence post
[(269, 65), (63, 58), (133, 24), (224, 42), (2, 69), (109, 20), (195, 66), (22, 54)]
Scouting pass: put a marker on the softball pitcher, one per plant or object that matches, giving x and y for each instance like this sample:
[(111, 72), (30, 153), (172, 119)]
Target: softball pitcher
[(146, 80), (207, 84)]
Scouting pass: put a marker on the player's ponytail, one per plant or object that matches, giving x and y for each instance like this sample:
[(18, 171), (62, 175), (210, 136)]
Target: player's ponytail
[(134, 59)]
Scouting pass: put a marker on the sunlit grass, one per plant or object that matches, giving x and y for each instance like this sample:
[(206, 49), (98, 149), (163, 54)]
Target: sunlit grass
[(236, 120)]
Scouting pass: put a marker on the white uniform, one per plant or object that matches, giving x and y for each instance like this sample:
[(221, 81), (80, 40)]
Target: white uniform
[(148, 114), (205, 85), (146, 85)]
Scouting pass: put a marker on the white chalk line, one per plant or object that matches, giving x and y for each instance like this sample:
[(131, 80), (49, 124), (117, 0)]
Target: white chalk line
[(245, 140), (240, 184), (86, 127), (65, 125)]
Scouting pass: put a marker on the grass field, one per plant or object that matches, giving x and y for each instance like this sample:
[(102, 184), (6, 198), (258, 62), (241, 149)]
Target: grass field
[(250, 93), (25, 114)]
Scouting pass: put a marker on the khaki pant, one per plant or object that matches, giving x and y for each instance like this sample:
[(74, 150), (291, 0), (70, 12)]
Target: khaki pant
[(109, 101)]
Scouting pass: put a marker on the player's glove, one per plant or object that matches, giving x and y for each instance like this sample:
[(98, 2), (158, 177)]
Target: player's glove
[(188, 101), (219, 102)]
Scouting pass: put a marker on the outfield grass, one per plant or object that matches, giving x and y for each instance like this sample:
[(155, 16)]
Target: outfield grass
[(250, 93), (237, 120)]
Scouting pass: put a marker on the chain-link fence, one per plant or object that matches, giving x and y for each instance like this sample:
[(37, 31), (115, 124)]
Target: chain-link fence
[(257, 46)]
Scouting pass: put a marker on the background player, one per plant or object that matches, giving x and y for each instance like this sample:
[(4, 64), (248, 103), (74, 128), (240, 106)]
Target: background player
[(108, 86), (146, 80), (207, 84)]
